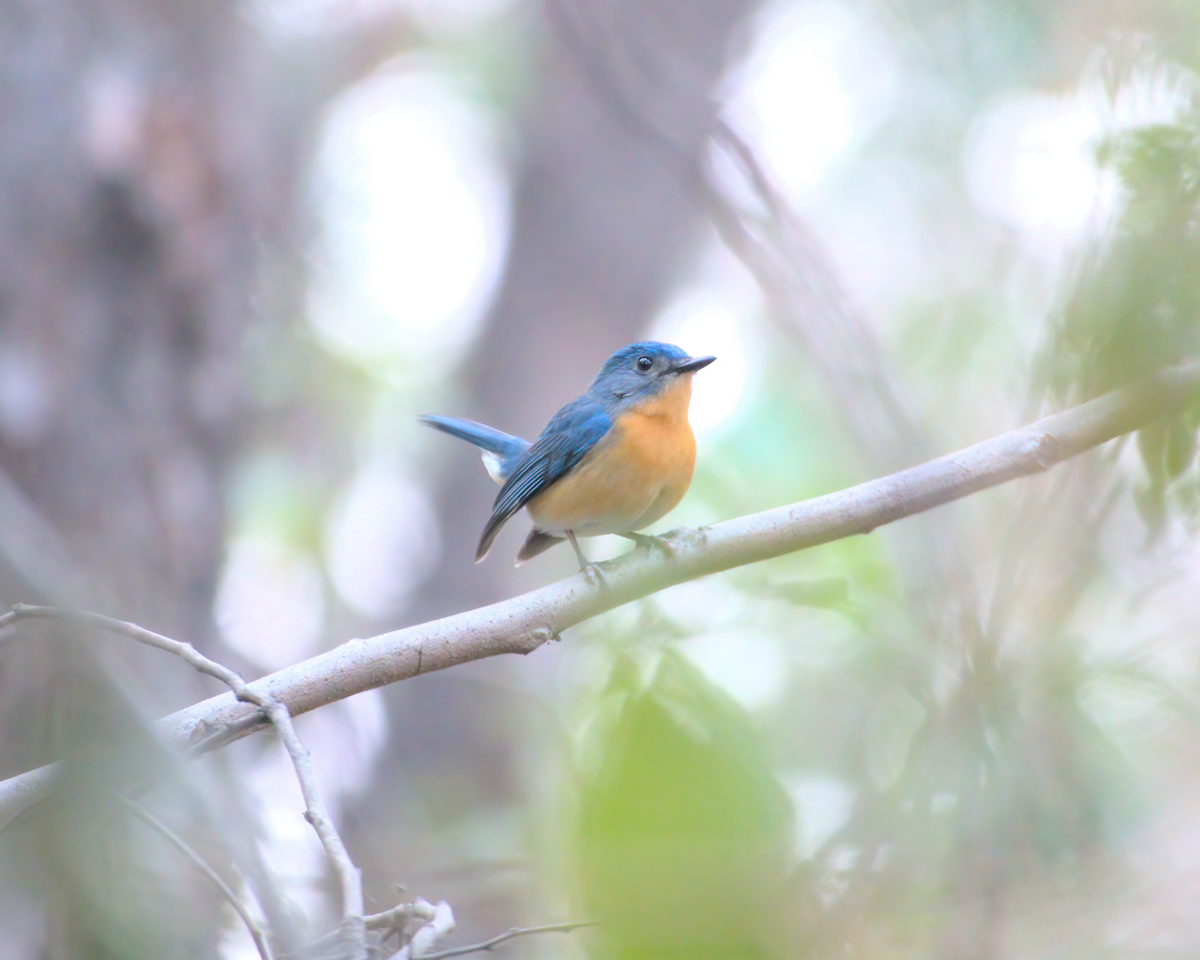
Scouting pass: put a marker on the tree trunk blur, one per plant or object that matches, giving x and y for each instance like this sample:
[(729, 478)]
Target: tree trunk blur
[(137, 184)]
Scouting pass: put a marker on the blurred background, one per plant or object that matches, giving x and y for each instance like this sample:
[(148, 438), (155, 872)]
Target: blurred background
[(244, 244)]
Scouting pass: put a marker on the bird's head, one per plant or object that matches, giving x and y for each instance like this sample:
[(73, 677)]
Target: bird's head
[(643, 370)]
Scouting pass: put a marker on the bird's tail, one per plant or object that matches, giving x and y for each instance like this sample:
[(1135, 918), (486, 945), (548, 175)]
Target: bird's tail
[(500, 450)]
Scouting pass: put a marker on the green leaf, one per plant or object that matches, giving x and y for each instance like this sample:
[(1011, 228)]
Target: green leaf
[(683, 833)]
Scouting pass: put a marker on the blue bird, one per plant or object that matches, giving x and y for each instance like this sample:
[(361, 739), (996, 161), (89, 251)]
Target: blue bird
[(614, 460)]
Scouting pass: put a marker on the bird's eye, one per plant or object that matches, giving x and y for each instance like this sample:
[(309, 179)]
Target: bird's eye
[(644, 364)]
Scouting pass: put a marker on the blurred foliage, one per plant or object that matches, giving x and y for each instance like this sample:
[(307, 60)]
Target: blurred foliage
[(682, 827), (1136, 308), (1137, 304)]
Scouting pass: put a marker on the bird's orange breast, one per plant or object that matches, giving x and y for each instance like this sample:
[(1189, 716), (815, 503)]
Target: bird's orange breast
[(635, 476)]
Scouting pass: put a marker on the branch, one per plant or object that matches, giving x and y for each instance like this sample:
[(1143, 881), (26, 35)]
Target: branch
[(524, 623), (439, 922), (508, 935)]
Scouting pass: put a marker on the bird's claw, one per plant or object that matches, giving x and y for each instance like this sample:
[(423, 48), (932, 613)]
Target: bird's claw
[(586, 567), (594, 575), (650, 544)]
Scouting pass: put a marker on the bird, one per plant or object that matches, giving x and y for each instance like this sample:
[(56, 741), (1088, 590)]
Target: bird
[(612, 461)]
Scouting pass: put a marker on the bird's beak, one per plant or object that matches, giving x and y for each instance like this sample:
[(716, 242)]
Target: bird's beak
[(691, 364)]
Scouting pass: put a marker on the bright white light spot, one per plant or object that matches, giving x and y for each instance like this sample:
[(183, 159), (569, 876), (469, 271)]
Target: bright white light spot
[(1029, 163), (713, 317), (747, 664), (27, 401), (414, 219), (822, 806), (270, 604), (1030, 160), (699, 606), (802, 97), (381, 540)]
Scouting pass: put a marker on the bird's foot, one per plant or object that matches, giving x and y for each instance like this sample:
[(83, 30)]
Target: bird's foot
[(586, 567), (594, 575), (651, 544)]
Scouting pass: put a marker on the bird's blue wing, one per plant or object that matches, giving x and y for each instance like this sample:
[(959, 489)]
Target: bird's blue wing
[(567, 439)]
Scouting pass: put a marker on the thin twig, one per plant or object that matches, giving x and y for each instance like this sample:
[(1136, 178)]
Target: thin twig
[(256, 932), (353, 929), (507, 935), (185, 651)]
